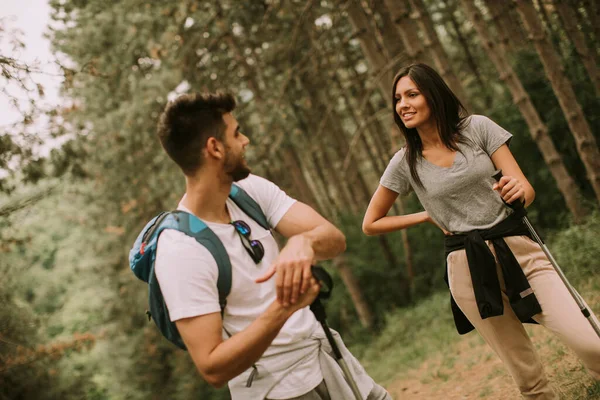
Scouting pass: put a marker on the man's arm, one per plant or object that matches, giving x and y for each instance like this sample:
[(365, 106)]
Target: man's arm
[(326, 240), (311, 238), (220, 360)]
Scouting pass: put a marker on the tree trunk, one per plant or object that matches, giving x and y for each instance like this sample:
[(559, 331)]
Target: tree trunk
[(436, 50), (581, 16), (293, 167), (332, 196), (376, 59), (586, 142), (390, 35), (408, 29), (362, 308), (469, 58), (376, 157), (592, 12), (538, 130), (324, 197), (361, 190), (372, 52), (569, 20), (355, 114), (503, 14), (385, 140), (408, 254), (365, 315), (352, 177), (544, 14)]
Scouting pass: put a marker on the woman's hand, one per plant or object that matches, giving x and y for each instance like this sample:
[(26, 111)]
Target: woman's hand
[(513, 185), (510, 189)]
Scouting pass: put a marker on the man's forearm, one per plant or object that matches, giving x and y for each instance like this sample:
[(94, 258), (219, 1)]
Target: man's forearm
[(326, 241), (236, 354)]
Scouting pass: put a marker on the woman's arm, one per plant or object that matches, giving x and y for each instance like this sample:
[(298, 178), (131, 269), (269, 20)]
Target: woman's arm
[(513, 185), (376, 220)]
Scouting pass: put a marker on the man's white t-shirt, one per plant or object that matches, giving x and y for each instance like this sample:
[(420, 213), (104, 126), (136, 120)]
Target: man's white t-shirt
[(187, 274)]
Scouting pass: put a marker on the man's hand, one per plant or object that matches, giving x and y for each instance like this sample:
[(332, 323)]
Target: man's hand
[(293, 268), (311, 238), (306, 298)]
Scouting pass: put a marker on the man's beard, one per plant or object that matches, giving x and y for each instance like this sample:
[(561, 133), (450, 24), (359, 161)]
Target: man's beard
[(235, 168)]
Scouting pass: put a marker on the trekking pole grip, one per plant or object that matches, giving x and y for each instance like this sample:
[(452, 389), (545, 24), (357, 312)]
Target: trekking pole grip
[(325, 280), (515, 205), (326, 285)]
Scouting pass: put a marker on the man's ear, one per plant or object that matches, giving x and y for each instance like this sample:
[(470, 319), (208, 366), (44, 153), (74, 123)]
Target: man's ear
[(215, 148)]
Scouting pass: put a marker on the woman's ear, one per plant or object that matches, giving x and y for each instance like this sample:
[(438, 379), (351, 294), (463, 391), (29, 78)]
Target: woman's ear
[(215, 148)]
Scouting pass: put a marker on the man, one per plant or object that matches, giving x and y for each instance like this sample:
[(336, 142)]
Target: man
[(267, 344)]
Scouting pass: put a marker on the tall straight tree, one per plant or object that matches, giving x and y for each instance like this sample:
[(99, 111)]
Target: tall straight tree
[(437, 52), (505, 17), (333, 178), (497, 52), (375, 156), (360, 190), (585, 140), (372, 51), (592, 13), (409, 31), (379, 62), (470, 60), (569, 21)]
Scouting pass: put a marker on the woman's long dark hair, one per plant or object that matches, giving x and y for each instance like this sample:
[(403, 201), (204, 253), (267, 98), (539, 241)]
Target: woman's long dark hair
[(449, 113)]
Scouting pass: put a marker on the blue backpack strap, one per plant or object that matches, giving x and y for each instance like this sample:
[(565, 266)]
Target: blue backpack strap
[(194, 227), (248, 205)]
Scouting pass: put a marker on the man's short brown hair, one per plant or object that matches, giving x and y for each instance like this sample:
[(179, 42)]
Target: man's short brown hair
[(186, 124)]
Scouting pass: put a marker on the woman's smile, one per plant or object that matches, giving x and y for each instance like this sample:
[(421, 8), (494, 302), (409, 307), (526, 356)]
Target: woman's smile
[(411, 105)]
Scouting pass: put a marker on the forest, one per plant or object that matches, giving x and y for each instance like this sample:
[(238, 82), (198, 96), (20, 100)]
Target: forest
[(313, 82)]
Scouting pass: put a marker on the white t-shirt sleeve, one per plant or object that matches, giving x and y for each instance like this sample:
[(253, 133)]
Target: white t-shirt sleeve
[(273, 201), (187, 274)]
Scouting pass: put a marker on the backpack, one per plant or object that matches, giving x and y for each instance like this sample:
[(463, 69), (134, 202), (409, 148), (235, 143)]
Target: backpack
[(143, 255)]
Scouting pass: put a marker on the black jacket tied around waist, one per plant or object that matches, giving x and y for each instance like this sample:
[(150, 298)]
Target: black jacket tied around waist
[(482, 265)]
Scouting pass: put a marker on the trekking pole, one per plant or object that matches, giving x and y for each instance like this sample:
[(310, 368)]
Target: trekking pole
[(319, 310), (518, 206)]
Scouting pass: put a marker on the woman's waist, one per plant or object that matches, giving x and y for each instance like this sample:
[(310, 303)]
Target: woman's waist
[(512, 225)]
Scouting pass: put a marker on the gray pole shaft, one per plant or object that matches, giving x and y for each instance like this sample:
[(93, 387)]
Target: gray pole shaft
[(350, 379), (562, 276)]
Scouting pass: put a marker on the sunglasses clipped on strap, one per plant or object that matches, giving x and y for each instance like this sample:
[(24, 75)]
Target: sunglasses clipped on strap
[(254, 248)]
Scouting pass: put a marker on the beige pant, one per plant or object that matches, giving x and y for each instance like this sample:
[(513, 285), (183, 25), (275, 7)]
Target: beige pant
[(505, 333)]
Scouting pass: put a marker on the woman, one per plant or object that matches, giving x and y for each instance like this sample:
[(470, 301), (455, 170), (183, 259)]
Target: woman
[(448, 160)]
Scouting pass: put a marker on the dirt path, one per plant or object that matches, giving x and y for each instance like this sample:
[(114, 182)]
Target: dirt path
[(470, 370)]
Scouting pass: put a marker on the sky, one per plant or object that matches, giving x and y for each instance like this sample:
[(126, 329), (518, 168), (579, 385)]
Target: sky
[(32, 18)]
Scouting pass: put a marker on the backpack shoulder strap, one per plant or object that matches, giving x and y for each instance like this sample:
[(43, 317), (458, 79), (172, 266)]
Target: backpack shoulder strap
[(248, 205), (196, 228)]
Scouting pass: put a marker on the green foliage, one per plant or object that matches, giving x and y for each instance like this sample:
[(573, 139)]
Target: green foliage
[(409, 336), (577, 249), (17, 327)]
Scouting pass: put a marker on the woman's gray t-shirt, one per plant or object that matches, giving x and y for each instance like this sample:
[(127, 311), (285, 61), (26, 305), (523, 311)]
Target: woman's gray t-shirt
[(459, 198)]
